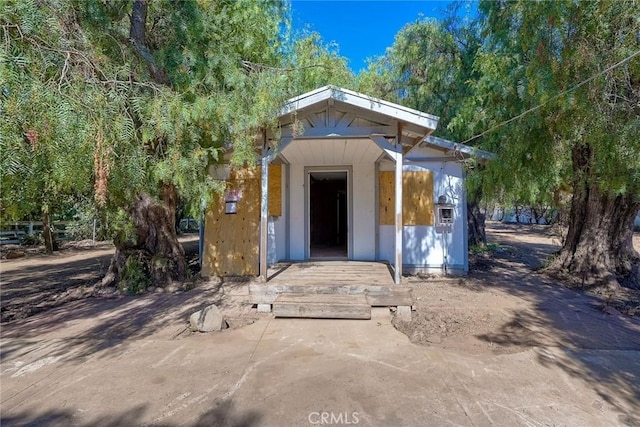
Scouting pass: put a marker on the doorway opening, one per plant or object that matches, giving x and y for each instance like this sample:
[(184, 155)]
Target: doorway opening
[(328, 216)]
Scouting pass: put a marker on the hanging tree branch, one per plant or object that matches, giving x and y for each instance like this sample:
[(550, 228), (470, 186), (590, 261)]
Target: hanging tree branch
[(256, 68), (137, 38)]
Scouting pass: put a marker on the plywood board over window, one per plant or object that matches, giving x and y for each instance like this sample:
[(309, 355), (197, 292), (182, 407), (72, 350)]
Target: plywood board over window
[(275, 190), (231, 240), (417, 198)]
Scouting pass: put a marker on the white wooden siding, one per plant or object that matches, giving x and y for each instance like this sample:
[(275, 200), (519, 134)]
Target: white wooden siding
[(364, 216), (296, 221), (281, 222)]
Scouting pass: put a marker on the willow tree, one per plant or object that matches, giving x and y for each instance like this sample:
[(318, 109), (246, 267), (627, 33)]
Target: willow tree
[(46, 159), (314, 63), (430, 68), (160, 89), (567, 76)]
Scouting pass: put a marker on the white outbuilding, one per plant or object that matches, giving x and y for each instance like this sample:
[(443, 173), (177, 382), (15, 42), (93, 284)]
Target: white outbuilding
[(346, 177)]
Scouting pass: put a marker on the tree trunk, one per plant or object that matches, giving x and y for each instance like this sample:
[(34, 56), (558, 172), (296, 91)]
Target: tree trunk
[(138, 40), (598, 248), (47, 234), (155, 258), (475, 223)]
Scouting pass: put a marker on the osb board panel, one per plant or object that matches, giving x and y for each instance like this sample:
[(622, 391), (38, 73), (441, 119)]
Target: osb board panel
[(417, 198), (231, 241), (275, 185), (275, 190), (387, 198)]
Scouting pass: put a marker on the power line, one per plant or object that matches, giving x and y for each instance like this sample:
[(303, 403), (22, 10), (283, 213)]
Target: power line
[(582, 83)]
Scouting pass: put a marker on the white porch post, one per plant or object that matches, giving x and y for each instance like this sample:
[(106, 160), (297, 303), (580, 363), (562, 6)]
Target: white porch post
[(398, 206), (264, 206)]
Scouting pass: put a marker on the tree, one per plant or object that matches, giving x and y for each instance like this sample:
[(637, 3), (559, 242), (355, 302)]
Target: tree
[(313, 64), (159, 90), (46, 156), (430, 68), (573, 69)]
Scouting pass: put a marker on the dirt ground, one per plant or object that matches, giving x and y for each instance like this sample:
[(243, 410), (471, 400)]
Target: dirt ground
[(502, 346), (37, 282), (478, 313)]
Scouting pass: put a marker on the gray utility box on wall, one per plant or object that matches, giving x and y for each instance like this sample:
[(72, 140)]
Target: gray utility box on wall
[(444, 214)]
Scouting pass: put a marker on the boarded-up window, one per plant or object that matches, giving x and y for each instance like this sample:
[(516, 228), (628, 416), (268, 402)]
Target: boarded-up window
[(275, 190), (231, 241), (275, 185), (417, 198)]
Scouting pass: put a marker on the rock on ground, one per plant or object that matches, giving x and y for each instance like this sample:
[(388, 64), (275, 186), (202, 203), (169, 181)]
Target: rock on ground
[(207, 320)]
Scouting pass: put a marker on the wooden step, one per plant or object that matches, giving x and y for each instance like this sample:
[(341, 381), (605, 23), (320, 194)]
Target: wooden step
[(378, 296), (322, 306), (393, 298)]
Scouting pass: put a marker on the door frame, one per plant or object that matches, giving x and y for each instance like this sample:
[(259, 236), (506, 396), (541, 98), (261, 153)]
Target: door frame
[(307, 205)]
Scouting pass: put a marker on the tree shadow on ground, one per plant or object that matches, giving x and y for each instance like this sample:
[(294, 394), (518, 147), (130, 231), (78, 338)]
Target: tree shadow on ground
[(222, 414), (104, 323), (37, 284), (105, 326), (572, 331)]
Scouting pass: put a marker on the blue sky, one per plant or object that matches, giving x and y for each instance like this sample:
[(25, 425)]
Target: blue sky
[(362, 29)]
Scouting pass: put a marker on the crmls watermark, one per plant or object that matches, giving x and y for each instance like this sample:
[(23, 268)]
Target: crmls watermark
[(332, 418)]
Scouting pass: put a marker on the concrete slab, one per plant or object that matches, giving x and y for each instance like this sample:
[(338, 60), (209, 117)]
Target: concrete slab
[(282, 372)]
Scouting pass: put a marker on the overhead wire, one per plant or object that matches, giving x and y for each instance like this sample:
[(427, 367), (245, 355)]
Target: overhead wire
[(537, 107)]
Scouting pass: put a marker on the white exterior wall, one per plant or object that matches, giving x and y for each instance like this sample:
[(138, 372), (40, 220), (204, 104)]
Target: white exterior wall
[(425, 247), (364, 215), (297, 210), (361, 189)]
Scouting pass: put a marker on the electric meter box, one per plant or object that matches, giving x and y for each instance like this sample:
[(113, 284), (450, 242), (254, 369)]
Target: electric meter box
[(445, 214)]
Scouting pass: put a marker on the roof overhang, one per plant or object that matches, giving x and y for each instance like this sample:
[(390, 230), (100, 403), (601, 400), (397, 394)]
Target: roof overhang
[(457, 149), (333, 112), (363, 102)]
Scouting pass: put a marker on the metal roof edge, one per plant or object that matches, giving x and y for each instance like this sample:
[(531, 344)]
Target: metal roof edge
[(458, 146)]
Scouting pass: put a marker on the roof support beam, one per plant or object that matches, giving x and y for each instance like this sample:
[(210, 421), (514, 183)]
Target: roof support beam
[(385, 145), (350, 131), (398, 157), (264, 206)]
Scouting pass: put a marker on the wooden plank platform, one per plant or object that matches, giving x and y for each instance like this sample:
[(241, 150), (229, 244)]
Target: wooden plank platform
[(329, 289), (322, 306), (331, 272), (394, 298)]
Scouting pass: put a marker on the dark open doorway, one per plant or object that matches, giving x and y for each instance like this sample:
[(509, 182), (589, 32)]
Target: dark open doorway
[(328, 219)]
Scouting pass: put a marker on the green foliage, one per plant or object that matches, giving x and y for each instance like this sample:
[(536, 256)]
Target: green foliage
[(84, 217), (34, 239), (104, 125), (43, 142), (315, 64), (133, 279), (489, 247), (429, 68), (532, 53)]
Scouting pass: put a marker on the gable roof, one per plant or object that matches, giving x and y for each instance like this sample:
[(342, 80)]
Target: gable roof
[(332, 94), (416, 126)]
